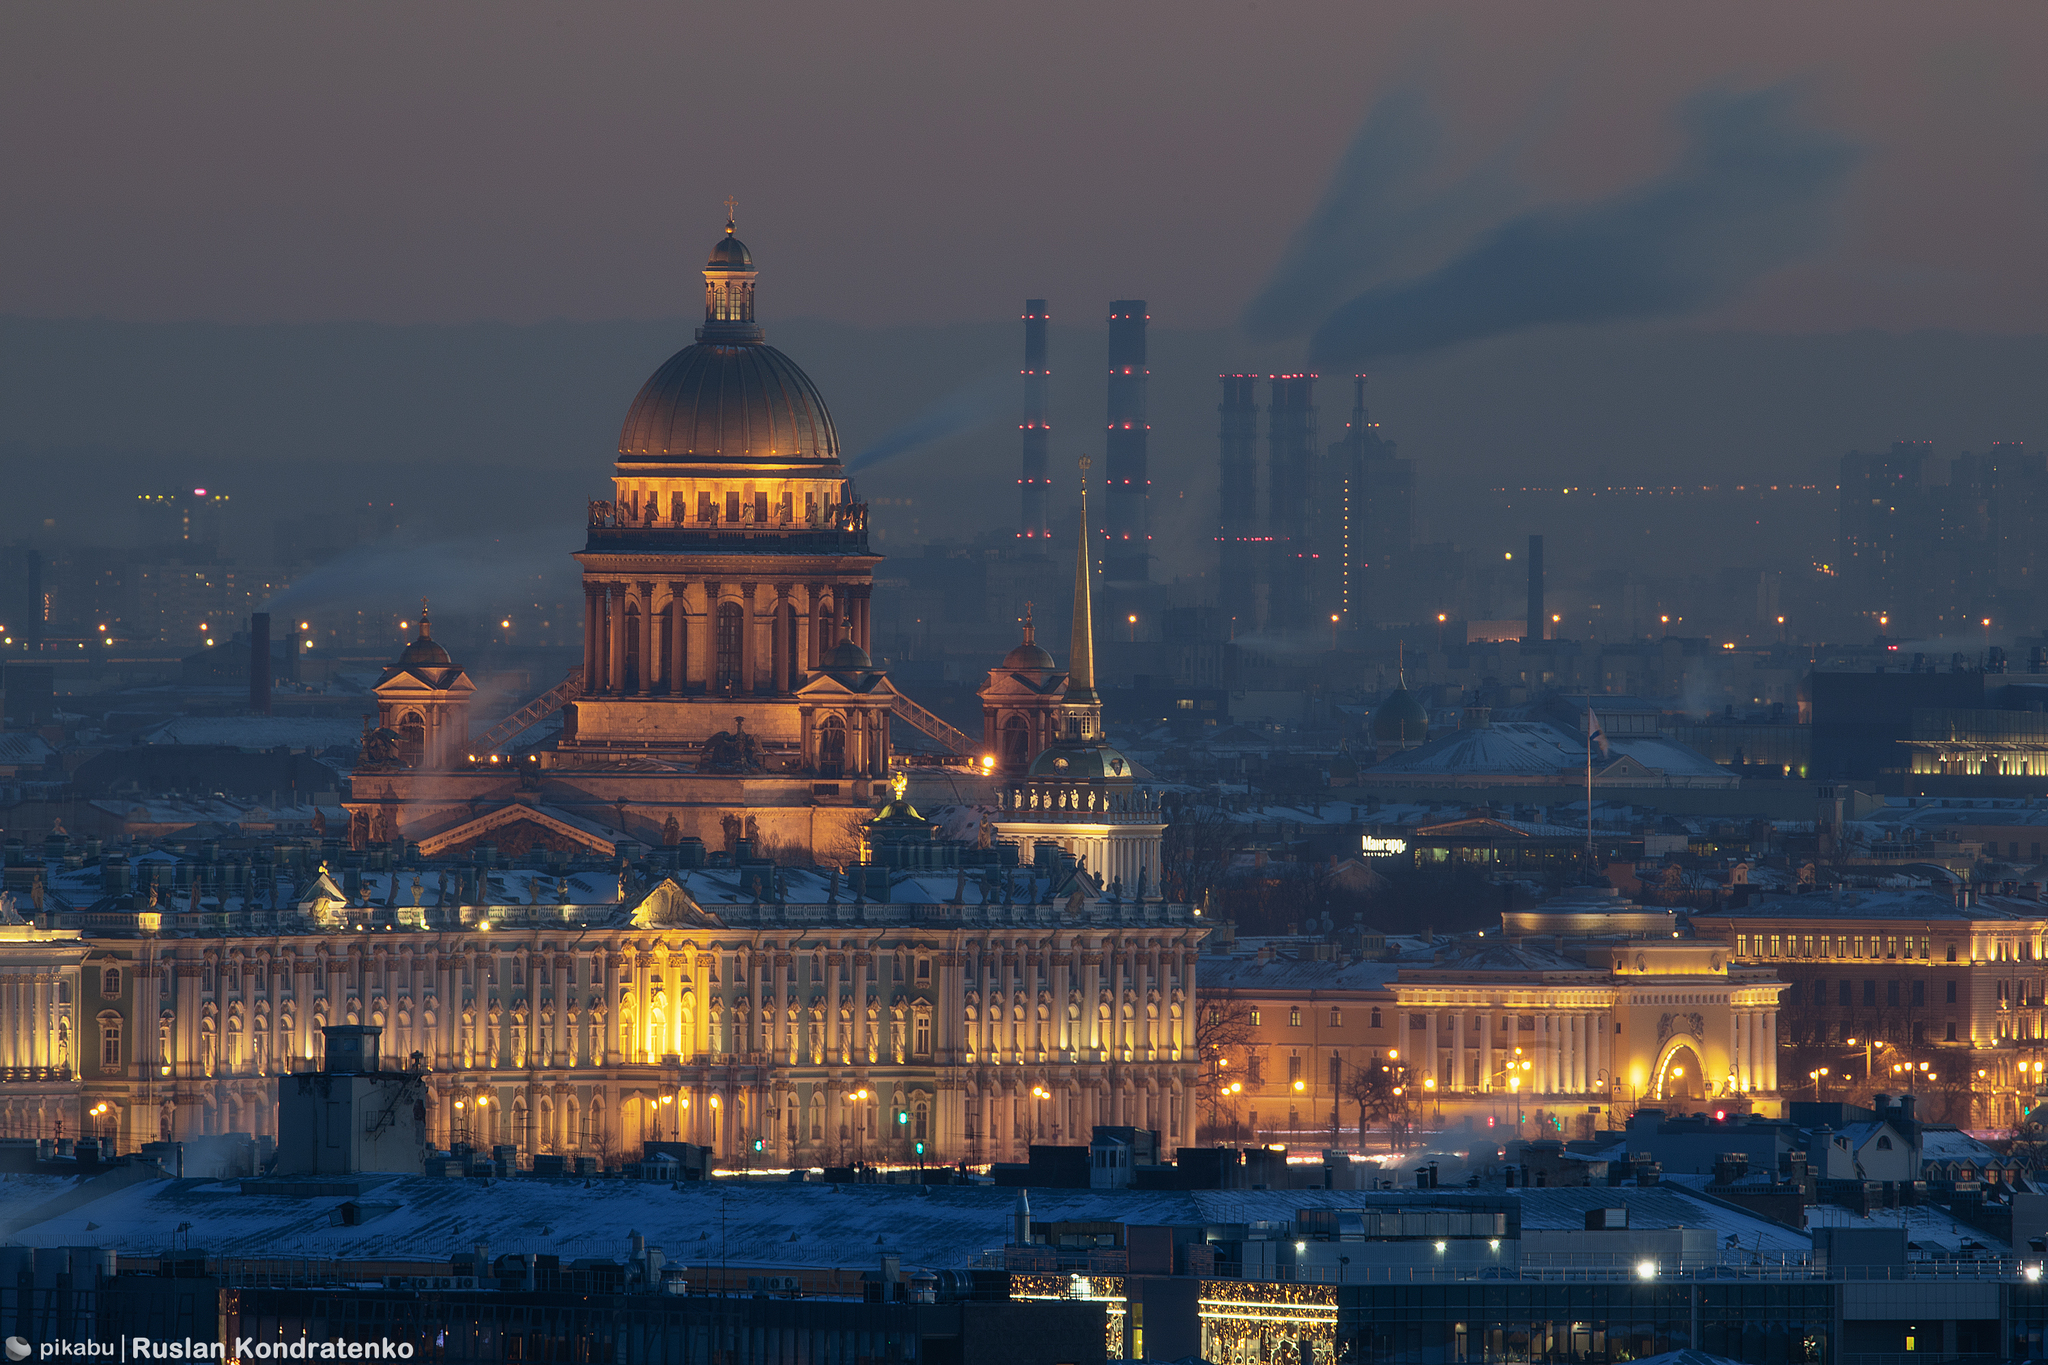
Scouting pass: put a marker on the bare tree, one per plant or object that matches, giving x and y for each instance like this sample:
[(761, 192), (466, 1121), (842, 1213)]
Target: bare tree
[(1194, 853), (1381, 1092), (1223, 1025)]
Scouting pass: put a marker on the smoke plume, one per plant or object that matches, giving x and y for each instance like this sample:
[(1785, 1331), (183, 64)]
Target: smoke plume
[(1750, 192), (960, 411)]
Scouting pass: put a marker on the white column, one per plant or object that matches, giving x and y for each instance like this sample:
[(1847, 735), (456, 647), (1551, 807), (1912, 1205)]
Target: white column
[(1486, 1052), (1735, 1066), (1401, 1043), (1771, 1051), (1434, 1065), (1458, 1050)]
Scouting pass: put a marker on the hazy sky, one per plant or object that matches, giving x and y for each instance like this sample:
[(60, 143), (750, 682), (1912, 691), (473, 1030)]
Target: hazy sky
[(902, 163)]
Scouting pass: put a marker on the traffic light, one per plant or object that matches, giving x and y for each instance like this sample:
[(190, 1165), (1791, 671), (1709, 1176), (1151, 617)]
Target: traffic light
[(759, 1145), (903, 1116), (920, 1149)]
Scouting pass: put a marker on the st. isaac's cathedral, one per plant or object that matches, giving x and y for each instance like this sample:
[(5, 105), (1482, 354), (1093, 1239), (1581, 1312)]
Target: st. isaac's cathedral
[(727, 691)]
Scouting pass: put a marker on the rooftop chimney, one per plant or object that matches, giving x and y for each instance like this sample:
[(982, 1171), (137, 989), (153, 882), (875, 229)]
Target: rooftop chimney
[(259, 663)]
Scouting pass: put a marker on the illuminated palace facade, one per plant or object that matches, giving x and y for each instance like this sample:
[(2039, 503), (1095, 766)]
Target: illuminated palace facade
[(726, 687), (1583, 1004), (558, 1019)]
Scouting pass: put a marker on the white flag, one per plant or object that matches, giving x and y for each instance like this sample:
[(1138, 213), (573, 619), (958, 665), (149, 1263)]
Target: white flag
[(1594, 734)]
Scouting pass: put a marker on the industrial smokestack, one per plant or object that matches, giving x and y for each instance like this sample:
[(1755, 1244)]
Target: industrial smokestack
[(1538, 617), (259, 663), (1290, 449), (1127, 521), (290, 670), (1035, 486)]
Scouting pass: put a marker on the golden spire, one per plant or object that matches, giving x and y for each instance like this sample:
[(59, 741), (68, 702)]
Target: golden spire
[(426, 631), (1081, 660), (731, 207), (1030, 631)]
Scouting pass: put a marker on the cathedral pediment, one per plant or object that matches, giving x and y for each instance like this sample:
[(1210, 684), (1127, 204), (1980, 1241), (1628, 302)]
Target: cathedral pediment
[(518, 829)]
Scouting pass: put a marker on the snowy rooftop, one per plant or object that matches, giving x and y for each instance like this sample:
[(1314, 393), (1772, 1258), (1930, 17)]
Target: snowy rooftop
[(764, 1224)]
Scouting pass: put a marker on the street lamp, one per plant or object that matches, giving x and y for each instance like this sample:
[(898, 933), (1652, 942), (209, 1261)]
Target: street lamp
[(1818, 1078), (1133, 619), (1333, 631)]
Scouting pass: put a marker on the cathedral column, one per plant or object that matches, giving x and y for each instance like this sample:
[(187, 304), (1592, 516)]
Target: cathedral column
[(1485, 1052), (650, 651), (749, 638), (1433, 1068), (678, 650), (1770, 1019), (779, 641), (807, 638), (593, 666), (615, 641), (563, 1050), (707, 654)]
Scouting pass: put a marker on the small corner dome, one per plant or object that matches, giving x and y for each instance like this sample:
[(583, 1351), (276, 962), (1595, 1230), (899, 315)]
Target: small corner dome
[(1028, 655), (848, 657), (730, 253), (1400, 719), (425, 652)]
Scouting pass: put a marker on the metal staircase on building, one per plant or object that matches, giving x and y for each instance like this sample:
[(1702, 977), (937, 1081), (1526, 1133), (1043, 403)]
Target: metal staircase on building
[(915, 716), (533, 713)]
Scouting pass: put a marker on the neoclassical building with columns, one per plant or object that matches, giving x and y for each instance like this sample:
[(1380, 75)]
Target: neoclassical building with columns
[(972, 1011), (1585, 1006)]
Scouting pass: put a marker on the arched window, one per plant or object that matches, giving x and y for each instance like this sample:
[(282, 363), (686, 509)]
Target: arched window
[(729, 643), (1376, 1019), (412, 738), (110, 1041), (110, 983), (831, 747), (1013, 743), (828, 629)]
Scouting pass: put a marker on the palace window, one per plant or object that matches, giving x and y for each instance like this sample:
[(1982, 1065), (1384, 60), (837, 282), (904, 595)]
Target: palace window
[(1951, 993), (1251, 1066), (732, 507), (110, 982), (1293, 1069), (1375, 1020), (110, 1044), (1336, 1017), (1294, 1017), (1919, 992), (1951, 1034), (1742, 945), (923, 1037), (1255, 1016)]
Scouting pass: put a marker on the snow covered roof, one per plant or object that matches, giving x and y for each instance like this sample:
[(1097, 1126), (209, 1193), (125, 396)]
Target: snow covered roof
[(763, 1223), (259, 732)]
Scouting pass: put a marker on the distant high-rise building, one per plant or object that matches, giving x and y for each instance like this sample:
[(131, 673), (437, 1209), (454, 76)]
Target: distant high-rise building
[(1374, 505), (1291, 460), (1035, 484), (1127, 522), (1932, 547), (1239, 546), (183, 525)]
